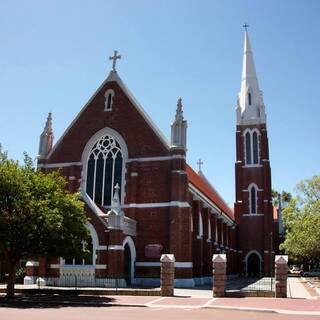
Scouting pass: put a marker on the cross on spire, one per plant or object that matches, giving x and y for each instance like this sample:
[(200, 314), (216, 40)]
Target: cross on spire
[(199, 163), (246, 27), (115, 57)]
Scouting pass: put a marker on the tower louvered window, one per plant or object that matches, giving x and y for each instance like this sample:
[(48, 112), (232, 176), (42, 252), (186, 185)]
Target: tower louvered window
[(253, 200), (251, 147), (248, 148), (255, 147), (104, 170)]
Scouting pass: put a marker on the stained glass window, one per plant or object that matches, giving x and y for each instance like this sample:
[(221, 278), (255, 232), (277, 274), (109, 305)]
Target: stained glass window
[(104, 170)]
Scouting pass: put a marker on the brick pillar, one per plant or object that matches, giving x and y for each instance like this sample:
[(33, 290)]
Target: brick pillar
[(219, 264), (281, 267), (32, 272), (167, 274)]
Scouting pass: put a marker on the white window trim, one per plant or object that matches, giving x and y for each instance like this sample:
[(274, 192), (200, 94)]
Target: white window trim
[(209, 229), (95, 245), (87, 151), (251, 131), (200, 226), (256, 190), (247, 257), (106, 95)]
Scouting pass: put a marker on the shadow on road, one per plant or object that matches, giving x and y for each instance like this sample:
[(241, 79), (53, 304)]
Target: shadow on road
[(55, 301)]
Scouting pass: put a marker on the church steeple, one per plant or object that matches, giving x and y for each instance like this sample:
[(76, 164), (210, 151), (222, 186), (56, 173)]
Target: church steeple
[(250, 106), (46, 138), (179, 128)]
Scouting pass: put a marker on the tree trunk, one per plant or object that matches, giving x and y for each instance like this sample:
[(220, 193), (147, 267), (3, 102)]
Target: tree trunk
[(12, 266)]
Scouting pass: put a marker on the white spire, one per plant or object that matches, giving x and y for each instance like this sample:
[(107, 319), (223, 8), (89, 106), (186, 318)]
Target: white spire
[(179, 128), (46, 138), (250, 106)]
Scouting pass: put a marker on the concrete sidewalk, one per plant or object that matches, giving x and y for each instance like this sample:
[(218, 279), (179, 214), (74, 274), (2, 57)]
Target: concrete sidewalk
[(296, 289), (283, 306)]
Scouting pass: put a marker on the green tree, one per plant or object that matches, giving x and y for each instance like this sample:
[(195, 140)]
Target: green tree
[(285, 197), (301, 219), (38, 217)]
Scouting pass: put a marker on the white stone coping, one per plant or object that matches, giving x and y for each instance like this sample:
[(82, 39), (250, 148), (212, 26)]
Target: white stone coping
[(219, 258), (32, 264), (281, 259), (167, 258)]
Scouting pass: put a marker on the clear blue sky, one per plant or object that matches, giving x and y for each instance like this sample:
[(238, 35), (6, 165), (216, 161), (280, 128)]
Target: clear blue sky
[(54, 54)]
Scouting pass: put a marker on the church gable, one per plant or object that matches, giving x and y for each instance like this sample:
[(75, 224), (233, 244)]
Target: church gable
[(115, 107)]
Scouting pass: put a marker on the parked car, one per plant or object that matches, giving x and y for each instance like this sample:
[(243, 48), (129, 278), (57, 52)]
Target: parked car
[(312, 273), (295, 271)]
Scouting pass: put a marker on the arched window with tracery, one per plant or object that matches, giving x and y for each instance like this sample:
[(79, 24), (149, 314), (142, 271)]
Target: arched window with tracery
[(104, 170)]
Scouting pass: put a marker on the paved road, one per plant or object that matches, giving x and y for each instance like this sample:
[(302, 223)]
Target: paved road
[(119, 313)]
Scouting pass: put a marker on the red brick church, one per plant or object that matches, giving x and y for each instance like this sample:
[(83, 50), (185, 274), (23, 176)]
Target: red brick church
[(143, 199)]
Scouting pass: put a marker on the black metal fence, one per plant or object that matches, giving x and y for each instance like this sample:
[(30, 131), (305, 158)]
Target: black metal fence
[(246, 284), (78, 281)]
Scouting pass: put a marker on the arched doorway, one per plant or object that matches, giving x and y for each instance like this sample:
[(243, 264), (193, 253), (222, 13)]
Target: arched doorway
[(127, 264), (253, 265), (129, 259)]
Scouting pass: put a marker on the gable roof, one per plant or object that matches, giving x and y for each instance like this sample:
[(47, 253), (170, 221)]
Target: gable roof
[(202, 184), (113, 76)]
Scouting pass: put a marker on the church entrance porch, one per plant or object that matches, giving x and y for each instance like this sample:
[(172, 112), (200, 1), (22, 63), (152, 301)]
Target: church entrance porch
[(253, 264)]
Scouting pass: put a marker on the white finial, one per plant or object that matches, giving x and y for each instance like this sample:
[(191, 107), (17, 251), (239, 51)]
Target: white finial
[(46, 138), (114, 59), (48, 126), (179, 128), (115, 205), (179, 111)]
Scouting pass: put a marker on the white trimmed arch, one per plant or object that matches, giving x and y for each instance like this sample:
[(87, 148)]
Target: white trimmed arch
[(129, 241), (247, 257), (200, 226), (108, 103), (251, 211), (87, 150), (251, 146), (95, 241)]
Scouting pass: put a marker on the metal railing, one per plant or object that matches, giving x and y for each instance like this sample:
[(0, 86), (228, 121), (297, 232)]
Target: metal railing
[(246, 284), (78, 281)]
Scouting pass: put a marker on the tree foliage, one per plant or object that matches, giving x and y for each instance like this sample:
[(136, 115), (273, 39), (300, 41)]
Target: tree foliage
[(301, 219), (285, 197), (38, 217)]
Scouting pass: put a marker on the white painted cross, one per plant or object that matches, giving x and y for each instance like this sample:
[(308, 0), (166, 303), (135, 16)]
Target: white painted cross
[(115, 57)]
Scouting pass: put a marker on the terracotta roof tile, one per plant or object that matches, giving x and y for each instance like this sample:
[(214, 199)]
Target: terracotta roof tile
[(204, 186)]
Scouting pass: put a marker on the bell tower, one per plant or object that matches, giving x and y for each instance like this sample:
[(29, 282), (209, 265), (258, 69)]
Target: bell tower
[(253, 206)]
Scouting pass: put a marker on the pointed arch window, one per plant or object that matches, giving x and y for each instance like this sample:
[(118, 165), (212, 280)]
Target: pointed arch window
[(200, 226), (248, 147), (108, 100), (251, 138), (255, 147), (253, 199), (87, 259), (209, 229), (104, 170)]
